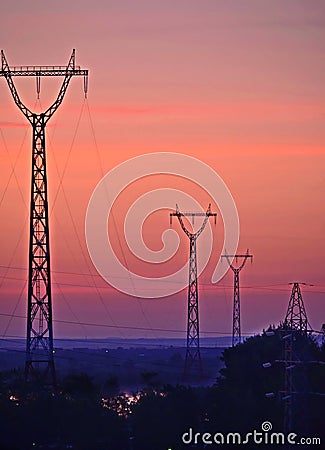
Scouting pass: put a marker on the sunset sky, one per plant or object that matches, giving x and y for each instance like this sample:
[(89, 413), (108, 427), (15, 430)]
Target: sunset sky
[(236, 84)]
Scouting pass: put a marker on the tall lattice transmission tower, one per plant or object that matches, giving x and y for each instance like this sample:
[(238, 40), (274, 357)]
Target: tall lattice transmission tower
[(296, 381), (193, 355), (296, 317), (236, 322), (39, 364)]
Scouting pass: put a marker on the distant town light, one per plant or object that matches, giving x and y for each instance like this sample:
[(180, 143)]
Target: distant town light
[(267, 365)]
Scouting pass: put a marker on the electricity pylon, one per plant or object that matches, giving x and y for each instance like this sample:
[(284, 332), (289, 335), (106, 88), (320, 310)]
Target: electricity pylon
[(296, 380), (296, 395), (236, 328), (39, 343), (296, 317), (193, 355)]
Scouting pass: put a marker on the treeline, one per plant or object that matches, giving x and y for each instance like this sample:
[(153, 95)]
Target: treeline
[(82, 415)]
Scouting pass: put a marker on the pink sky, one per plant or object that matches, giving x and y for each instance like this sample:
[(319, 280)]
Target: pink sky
[(236, 84)]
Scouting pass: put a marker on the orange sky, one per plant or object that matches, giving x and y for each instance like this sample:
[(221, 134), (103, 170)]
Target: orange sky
[(238, 85)]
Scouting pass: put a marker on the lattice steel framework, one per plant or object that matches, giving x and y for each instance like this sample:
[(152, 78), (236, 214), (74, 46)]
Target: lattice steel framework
[(39, 343), (236, 323), (193, 355), (296, 380), (296, 317)]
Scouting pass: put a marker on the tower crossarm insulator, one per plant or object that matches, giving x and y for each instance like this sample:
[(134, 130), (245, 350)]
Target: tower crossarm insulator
[(38, 71), (244, 256), (180, 216)]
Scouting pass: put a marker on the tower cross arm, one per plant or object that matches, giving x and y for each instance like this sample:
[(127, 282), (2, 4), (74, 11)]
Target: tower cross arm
[(180, 216), (244, 256), (66, 71), (43, 71)]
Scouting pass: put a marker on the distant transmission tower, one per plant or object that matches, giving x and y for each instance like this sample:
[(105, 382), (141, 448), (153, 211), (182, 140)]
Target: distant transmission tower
[(236, 329), (296, 317), (296, 380), (193, 355), (39, 344)]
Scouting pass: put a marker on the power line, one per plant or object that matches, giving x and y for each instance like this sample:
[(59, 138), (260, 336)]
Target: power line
[(102, 325), (204, 285), (102, 174)]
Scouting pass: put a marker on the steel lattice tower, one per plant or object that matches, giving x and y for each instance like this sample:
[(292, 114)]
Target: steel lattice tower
[(296, 382), (39, 343), (296, 317), (193, 355), (236, 328)]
